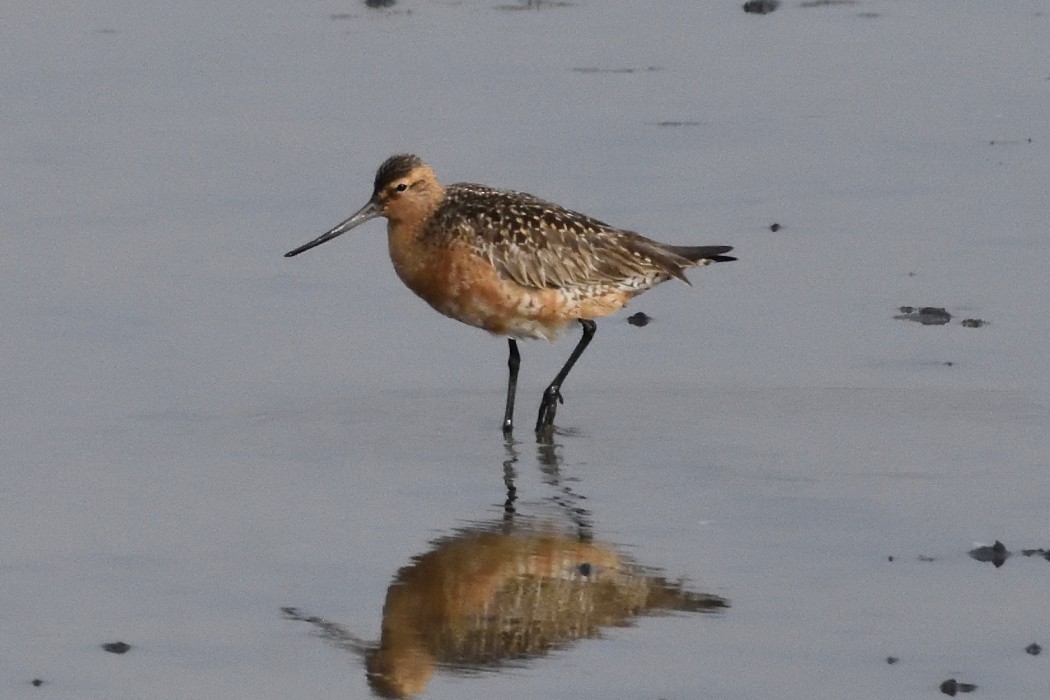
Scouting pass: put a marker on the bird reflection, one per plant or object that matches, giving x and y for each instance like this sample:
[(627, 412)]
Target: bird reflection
[(479, 599), (506, 592)]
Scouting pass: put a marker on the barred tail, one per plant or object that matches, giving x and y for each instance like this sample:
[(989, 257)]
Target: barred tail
[(698, 253)]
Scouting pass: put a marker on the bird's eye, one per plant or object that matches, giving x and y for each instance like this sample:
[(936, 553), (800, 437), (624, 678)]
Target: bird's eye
[(401, 186)]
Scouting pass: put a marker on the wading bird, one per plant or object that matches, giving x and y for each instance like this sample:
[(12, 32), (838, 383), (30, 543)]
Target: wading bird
[(511, 263)]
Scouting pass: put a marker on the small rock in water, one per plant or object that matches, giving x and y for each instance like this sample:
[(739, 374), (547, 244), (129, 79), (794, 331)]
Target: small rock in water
[(774, 227), (1034, 649), (952, 686), (761, 7), (639, 319), (116, 647), (926, 315), (37, 682), (974, 322), (997, 553)]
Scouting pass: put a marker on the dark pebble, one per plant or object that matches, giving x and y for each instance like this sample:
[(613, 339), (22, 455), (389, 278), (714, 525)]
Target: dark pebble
[(774, 227), (1033, 649), (927, 315), (116, 647), (952, 686), (761, 7), (37, 682), (892, 660), (639, 319), (997, 554), (974, 322)]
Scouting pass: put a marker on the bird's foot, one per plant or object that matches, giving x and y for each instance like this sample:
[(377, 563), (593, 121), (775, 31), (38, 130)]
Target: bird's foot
[(548, 408)]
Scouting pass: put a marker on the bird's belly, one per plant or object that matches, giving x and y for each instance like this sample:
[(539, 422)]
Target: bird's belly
[(471, 291)]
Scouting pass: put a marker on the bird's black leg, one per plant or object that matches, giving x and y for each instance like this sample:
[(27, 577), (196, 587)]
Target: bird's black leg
[(552, 396), (513, 361)]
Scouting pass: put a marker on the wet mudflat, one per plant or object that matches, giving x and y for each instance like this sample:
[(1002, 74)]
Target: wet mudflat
[(266, 478)]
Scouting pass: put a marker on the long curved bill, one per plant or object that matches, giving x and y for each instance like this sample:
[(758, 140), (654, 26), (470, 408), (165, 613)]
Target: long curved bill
[(367, 212)]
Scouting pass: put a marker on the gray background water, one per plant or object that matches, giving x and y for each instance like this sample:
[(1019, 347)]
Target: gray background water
[(197, 431)]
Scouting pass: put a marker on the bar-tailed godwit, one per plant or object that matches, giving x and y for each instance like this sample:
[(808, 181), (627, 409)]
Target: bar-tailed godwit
[(511, 263)]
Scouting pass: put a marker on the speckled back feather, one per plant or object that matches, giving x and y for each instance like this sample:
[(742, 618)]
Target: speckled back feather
[(539, 244)]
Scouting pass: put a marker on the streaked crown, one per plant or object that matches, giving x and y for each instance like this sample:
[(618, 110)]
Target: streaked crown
[(394, 168)]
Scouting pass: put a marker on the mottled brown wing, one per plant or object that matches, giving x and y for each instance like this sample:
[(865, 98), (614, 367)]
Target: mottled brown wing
[(542, 245)]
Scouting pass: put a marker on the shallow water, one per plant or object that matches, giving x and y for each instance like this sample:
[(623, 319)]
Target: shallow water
[(198, 432)]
